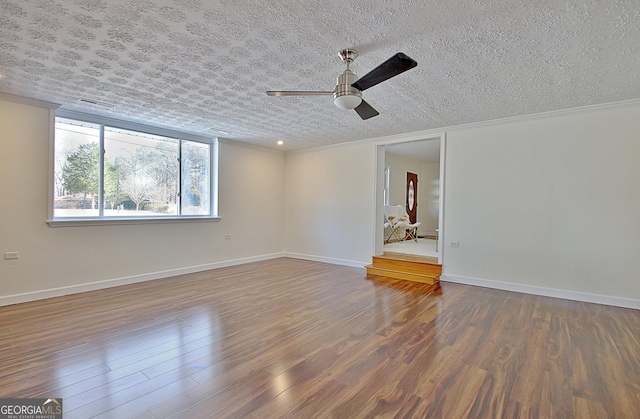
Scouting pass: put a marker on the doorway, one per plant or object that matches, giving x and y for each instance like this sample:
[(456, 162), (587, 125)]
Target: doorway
[(405, 164)]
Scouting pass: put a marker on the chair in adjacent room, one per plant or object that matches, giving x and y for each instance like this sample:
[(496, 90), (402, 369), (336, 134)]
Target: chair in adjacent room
[(398, 225)]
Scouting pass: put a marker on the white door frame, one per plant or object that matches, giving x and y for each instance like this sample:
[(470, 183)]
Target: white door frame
[(378, 222)]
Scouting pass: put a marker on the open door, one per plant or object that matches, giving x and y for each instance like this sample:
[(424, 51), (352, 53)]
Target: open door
[(412, 197)]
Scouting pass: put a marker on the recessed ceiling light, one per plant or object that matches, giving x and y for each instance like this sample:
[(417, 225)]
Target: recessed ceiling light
[(280, 142)]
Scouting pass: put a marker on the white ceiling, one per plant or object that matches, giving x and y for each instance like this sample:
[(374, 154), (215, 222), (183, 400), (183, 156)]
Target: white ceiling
[(204, 66)]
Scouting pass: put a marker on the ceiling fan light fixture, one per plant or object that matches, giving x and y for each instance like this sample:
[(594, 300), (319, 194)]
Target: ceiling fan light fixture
[(345, 96), (347, 101), (348, 91)]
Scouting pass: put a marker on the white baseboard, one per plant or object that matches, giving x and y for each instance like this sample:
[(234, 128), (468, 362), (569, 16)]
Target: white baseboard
[(506, 286), (547, 292), (427, 233), (333, 261), (108, 283)]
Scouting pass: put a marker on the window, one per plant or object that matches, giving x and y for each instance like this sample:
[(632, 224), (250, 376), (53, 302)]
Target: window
[(110, 171), (387, 175)]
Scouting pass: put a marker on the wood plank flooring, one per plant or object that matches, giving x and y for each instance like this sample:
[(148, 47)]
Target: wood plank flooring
[(300, 339), (409, 256)]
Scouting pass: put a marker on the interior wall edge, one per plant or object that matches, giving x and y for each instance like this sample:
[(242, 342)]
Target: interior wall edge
[(28, 101), (544, 291), (127, 280), (333, 261), (440, 132)]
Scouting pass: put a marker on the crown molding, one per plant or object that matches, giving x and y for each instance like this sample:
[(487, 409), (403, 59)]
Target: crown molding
[(436, 133), (135, 126), (547, 114), (249, 145), (28, 101)]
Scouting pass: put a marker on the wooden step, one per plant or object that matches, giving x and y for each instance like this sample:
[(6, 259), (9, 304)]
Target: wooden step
[(407, 267), (426, 279)]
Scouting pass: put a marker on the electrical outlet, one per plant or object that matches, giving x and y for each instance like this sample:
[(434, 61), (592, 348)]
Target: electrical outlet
[(455, 244), (227, 236), (11, 255)]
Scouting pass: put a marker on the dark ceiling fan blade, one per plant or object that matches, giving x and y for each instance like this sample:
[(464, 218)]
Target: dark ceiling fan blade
[(395, 65), (297, 93), (366, 111)]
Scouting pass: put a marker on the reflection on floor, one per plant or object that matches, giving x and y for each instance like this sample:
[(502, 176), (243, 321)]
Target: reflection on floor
[(423, 247)]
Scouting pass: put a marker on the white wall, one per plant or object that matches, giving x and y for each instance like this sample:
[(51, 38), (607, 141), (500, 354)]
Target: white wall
[(329, 204), (550, 204), (55, 261), (429, 190), (547, 205), (398, 168)]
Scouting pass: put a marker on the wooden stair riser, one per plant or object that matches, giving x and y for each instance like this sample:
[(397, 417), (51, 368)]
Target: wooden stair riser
[(407, 276), (407, 266)]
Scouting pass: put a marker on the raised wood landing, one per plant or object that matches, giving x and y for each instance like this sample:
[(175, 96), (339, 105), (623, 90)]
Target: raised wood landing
[(415, 268)]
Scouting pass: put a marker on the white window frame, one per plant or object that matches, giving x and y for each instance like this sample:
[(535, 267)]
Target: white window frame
[(131, 126), (386, 189)]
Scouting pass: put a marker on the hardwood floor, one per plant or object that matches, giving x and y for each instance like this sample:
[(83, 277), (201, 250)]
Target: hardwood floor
[(303, 339)]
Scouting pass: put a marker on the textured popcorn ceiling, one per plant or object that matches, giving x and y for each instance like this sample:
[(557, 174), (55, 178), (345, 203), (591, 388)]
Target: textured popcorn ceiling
[(195, 65)]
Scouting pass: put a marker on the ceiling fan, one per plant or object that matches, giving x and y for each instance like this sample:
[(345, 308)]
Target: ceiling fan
[(348, 91)]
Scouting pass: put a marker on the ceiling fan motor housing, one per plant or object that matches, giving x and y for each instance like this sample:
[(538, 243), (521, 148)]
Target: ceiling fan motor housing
[(346, 96)]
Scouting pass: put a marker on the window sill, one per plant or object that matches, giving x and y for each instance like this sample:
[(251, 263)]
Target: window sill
[(81, 222)]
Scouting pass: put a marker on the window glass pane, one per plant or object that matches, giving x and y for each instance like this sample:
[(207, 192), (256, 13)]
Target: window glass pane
[(196, 164), (77, 169), (134, 174), (140, 174)]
